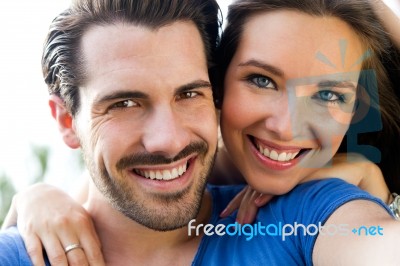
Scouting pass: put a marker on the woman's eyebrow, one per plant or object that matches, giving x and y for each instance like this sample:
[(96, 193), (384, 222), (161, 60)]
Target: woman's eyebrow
[(337, 84), (267, 67)]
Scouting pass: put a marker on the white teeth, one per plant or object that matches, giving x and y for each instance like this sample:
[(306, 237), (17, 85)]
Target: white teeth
[(175, 172), (266, 152), (152, 175), (158, 175), (180, 170), (146, 174), (274, 155), (167, 175), (163, 174), (282, 157)]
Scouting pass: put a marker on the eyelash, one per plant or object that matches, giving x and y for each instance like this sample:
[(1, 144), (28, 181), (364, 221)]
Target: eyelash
[(192, 94), (123, 104), (117, 105), (341, 98), (251, 79)]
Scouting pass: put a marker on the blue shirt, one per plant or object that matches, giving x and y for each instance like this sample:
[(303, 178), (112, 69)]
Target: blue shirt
[(306, 207), (302, 211), (12, 249)]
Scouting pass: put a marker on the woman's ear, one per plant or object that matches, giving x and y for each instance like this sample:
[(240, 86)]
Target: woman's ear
[(64, 121)]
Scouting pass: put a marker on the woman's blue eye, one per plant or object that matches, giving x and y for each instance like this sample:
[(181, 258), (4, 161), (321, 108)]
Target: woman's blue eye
[(261, 81), (330, 96)]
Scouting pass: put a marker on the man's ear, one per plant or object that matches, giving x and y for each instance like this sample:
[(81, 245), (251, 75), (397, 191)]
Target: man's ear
[(64, 121)]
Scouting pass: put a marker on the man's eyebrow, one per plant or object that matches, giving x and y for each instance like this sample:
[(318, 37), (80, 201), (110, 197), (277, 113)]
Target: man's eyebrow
[(120, 95), (141, 95), (193, 85), (336, 83), (267, 67)]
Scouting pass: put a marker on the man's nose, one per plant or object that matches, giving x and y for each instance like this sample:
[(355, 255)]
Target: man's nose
[(165, 132)]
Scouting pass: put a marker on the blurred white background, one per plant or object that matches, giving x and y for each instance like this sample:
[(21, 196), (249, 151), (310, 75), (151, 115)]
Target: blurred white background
[(25, 119), (24, 114)]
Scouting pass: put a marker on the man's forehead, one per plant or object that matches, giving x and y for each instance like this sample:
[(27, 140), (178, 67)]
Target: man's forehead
[(120, 40), (128, 54)]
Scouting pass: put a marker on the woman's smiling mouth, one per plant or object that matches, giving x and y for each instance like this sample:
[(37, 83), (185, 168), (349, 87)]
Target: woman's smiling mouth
[(282, 155)]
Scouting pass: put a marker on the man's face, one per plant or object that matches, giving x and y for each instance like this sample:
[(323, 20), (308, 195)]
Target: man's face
[(147, 123)]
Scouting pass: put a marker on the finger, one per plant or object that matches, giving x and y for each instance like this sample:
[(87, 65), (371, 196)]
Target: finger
[(247, 207), (250, 215), (93, 254), (233, 204), (91, 245), (55, 250), (11, 217), (34, 249), (75, 256), (262, 199)]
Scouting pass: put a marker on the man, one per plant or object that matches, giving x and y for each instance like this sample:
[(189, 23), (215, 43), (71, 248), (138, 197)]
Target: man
[(129, 85)]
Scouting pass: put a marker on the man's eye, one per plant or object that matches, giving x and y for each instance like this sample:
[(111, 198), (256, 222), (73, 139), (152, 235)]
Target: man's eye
[(261, 81), (188, 95), (124, 104)]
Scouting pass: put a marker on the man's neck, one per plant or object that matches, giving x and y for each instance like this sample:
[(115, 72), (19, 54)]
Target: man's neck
[(123, 239)]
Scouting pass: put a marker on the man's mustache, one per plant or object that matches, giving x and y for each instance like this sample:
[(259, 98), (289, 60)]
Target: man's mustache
[(132, 160)]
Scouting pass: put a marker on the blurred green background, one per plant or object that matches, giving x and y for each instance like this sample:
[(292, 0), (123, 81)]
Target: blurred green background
[(7, 189)]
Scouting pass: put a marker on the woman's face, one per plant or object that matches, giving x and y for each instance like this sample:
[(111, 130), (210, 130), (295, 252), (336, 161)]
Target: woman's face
[(289, 96)]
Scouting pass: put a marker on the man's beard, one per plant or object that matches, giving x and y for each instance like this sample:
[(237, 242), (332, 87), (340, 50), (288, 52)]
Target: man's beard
[(161, 212)]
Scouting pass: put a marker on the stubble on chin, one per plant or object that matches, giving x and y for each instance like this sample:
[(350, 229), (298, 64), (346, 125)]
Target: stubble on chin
[(160, 212)]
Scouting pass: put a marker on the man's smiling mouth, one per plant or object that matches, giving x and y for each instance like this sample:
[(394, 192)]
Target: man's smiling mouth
[(163, 174)]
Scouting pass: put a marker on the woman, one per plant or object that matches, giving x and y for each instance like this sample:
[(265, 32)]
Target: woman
[(276, 147), (364, 132), (298, 76)]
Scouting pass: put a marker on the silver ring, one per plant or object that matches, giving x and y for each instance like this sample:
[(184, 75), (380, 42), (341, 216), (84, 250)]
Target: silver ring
[(72, 247)]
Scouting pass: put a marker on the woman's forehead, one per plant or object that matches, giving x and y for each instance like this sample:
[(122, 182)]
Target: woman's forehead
[(298, 42)]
